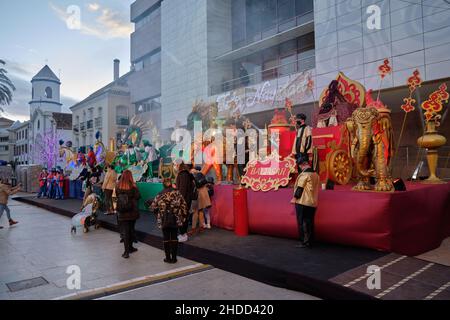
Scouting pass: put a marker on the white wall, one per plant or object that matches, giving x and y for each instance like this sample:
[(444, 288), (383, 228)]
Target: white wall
[(184, 58)]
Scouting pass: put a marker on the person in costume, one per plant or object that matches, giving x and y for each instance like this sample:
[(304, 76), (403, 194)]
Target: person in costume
[(81, 158), (51, 180), (42, 183), (335, 110), (59, 185), (303, 140), (131, 154), (306, 195), (91, 159)]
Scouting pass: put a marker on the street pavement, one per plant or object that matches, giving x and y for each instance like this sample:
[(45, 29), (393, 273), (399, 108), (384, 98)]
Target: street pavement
[(41, 245)]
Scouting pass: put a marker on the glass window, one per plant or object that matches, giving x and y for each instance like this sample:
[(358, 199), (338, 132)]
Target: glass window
[(306, 42), (238, 23), (286, 10), (303, 6), (268, 14), (270, 58), (253, 19)]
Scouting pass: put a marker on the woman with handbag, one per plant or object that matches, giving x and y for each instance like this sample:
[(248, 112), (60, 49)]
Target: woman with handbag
[(127, 195), (203, 201), (171, 212)]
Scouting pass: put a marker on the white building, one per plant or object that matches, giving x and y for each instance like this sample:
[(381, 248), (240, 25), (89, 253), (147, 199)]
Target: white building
[(5, 152), (19, 142), (46, 118), (107, 111)]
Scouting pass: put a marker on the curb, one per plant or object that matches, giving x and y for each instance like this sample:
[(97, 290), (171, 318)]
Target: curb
[(274, 277)]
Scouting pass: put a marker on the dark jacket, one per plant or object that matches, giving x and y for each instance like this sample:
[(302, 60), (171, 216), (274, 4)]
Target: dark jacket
[(133, 196), (185, 185)]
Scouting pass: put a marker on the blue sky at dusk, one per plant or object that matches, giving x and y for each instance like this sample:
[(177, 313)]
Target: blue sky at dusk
[(33, 33)]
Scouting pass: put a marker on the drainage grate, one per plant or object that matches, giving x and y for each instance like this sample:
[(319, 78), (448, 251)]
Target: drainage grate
[(26, 284)]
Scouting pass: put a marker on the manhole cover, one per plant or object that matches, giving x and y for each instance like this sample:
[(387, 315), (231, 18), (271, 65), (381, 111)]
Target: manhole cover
[(26, 284)]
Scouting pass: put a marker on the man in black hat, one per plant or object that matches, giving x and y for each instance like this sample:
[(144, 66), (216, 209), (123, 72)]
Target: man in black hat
[(306, 195), (303, 139)]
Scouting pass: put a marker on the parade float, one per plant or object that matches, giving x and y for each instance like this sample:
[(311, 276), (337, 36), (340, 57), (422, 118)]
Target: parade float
[(132, 152), (354, 146)]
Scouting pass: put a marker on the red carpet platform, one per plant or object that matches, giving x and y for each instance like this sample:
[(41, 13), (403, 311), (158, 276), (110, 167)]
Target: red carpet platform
[(409, 223)]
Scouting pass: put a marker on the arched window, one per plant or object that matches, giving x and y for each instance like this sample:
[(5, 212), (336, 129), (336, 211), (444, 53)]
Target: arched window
[(48, 93)]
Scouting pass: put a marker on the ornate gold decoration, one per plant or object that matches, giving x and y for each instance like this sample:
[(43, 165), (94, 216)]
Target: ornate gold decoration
[(372, 148), (268, 174), (432, 140)]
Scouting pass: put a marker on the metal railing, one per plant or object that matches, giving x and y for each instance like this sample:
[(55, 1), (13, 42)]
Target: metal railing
[(83, 126), (122, 121), (276, 29), (278, 71), (76, 128)]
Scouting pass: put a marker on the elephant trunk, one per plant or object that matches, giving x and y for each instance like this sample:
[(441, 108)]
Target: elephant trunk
[(363, 151)]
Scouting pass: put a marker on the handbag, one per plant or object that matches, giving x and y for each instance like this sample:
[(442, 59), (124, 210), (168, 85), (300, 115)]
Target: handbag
[(298, 193)]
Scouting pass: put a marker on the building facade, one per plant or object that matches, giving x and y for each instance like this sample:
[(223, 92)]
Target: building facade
[(253, 54), (145, 79), (19, 142), (5, 147), (107, 111)]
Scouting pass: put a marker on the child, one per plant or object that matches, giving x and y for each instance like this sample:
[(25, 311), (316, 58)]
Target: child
[(210, 187)]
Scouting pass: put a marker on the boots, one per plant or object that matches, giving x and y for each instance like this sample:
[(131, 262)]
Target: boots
[(167, 250), (173, 251), (12, 222)]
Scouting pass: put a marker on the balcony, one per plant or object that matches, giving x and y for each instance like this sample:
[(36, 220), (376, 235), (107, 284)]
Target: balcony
[(122, 121), (90, 125), (98, 123), (76, 129), (279, 71), (83, 126)]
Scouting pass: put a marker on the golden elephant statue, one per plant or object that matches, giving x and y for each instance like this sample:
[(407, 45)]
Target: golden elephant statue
[(371, 138)]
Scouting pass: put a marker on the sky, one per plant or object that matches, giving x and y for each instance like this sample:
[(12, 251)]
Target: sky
[(38, 32)]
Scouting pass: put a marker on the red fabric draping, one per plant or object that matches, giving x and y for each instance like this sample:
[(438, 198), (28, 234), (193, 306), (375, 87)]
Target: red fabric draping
[(410, 223)]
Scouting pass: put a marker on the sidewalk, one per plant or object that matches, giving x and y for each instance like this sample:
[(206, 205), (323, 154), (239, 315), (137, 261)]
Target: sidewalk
[(41, 246), (327, 271)]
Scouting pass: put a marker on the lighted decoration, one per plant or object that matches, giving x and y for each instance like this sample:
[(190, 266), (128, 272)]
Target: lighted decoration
[(270, 174), (46, 148), (385, 69), (434, 104), (432, 140), (413, 83)]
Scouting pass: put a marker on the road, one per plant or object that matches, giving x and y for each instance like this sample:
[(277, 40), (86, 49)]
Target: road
[(41, 246)]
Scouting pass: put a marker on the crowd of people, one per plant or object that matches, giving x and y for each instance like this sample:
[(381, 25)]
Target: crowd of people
[(189, 199)]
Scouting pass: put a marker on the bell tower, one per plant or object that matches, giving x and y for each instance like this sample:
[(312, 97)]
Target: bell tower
[(45, 91)]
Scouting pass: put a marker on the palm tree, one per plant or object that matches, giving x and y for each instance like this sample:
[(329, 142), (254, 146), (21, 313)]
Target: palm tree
[(6, 87)]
